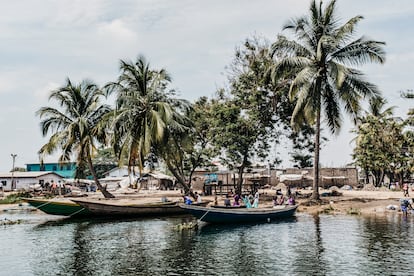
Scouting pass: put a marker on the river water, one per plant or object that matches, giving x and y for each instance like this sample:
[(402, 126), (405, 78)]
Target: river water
[(304, 245)]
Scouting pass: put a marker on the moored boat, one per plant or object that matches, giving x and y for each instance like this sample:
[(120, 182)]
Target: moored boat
[(114, 208), (58, 206), (239, 215)]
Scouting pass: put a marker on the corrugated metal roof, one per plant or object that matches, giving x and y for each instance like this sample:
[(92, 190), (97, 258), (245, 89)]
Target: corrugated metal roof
[(27, 174)]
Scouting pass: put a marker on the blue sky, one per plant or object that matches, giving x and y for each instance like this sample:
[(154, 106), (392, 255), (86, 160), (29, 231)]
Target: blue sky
[(45, 41)]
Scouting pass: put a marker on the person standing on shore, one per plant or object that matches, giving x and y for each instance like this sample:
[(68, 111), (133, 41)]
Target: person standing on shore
[(405, 190)]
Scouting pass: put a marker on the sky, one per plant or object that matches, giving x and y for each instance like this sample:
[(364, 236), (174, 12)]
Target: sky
[(42, 42)]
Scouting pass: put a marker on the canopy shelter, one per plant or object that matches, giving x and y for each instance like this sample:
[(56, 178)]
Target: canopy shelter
[(297, 180), (329, 181), (157, 181)]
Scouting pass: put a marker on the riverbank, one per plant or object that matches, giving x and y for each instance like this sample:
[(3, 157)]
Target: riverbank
[(354, 202)]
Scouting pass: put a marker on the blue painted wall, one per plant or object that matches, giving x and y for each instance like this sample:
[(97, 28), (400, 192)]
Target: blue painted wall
[(66, 170)]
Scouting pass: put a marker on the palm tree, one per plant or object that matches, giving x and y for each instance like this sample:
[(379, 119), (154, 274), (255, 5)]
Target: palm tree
[(320, 59), (409, 94), (376, 108), (144, 110), (77, 126)]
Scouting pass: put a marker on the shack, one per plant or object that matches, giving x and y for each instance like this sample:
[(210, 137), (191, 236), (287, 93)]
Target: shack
[(22, 180)]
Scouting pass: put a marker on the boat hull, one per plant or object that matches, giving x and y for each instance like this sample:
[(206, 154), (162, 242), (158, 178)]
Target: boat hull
[(113, 209), (239, 215), (58, 207)]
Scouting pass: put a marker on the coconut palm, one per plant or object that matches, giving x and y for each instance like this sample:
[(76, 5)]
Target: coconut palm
[(144, 110), (77, 126), (321, 58)]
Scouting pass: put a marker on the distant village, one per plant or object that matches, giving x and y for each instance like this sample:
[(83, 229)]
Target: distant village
[(220, 181)]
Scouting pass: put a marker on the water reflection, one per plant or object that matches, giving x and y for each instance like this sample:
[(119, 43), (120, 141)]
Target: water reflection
[(387, 244), (305, 245)]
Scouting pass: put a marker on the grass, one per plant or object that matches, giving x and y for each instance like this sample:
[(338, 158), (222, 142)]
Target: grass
[(327, 210), (14, 198), (353, 211)]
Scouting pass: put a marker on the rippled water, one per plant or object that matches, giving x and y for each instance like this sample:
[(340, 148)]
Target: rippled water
[(305, 245)]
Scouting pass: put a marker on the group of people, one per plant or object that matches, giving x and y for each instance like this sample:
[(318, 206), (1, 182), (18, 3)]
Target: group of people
[(250, 201), (280, 199), (189, 201)]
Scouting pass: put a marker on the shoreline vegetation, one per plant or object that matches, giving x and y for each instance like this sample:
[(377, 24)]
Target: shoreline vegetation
[(348, 202)]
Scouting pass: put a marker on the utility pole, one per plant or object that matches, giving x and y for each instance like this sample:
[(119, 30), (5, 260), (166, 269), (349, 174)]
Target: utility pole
[(13, 186)]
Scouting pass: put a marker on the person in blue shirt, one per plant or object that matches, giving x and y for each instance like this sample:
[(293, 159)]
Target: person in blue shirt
[(187, 200)]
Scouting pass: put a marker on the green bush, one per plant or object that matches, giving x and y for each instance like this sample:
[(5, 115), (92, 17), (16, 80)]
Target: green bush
[(14, 198)]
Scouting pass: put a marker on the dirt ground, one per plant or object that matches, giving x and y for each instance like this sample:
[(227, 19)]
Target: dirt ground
[(353, 202)]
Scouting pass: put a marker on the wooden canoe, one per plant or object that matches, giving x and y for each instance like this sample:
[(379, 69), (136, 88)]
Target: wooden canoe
[(58, 206), (239, 215), (112, 208)]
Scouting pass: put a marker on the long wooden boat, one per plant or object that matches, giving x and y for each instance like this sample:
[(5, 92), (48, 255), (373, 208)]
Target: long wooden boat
[(58, 206), (239, 215), (113, 208)]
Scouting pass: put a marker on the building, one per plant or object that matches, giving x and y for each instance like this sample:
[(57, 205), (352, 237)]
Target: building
[(65, 169), (22, 180), (122, 172), (328, 177)]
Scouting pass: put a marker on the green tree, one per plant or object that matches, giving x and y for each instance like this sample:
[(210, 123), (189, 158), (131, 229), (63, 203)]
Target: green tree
[(77, 126), (144, 110), (383, 144), (103, 160), (371, 152), (320, 57), (187, 145), (244, 117), (236, 135), (409, 136), (409, 94)]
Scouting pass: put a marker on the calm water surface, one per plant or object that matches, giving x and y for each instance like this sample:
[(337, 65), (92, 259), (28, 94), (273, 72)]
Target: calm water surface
[(305, 245)]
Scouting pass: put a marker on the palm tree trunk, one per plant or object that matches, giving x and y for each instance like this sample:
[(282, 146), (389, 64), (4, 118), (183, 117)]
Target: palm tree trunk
[(315, 194), (103, 190), (240, 181), (181, 180)]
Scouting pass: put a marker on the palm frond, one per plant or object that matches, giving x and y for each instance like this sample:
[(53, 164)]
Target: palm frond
[(360, 51)]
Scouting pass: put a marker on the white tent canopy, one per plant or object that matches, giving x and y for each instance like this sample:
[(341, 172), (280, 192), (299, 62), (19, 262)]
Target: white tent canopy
[(290, 177)]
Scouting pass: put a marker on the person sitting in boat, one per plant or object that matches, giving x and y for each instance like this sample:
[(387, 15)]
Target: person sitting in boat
[(247, 202), (236, 200), (256, 200), (291, 200), (275, 201), (281, 200), (251, 198), (198, 197), (227, 202), (187, 200)]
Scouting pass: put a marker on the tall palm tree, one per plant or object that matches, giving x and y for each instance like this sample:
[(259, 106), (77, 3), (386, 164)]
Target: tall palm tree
[(77, 126), (321, 58), (144, 110)]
